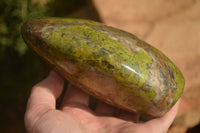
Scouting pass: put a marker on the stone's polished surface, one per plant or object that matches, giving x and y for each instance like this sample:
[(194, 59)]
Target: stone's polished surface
[(108, 63)]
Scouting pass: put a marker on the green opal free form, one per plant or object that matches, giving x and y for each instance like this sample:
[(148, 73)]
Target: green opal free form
[(109, 64)]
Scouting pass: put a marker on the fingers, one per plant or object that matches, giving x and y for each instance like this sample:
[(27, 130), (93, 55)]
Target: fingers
[(75, 97), (161, 125), (43, 97), (46, 92)]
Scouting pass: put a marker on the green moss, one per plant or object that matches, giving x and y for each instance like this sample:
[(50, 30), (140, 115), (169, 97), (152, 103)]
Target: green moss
[(86, 46)]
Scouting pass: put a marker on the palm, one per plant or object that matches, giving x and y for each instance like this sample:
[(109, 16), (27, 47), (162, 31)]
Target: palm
[(74, 116)]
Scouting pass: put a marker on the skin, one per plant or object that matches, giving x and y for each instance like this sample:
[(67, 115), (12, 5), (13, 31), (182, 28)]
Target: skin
[(74, 115)]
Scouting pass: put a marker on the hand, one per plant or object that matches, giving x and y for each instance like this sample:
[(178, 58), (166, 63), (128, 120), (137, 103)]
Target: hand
[(74, 116)]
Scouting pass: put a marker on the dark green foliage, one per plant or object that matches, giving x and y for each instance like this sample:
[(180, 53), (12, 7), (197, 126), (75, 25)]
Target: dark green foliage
[(14, 13)]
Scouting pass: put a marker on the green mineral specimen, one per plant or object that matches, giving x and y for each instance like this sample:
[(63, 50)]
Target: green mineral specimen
[(110, 64)]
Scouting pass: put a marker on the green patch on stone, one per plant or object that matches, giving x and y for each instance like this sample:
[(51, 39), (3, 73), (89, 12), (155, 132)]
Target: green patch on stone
[(142, 59), (87, 46)]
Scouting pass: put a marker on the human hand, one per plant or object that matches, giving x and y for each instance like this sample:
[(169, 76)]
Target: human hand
[(74, 115)]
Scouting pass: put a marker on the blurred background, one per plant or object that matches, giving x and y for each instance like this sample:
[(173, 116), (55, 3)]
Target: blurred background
[(171, 26)]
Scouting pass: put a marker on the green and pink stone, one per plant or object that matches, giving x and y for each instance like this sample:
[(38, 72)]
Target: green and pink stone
[(109, 64)]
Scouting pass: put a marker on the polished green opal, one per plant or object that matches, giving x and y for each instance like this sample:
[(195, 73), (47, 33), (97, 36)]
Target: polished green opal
[(110, 64)]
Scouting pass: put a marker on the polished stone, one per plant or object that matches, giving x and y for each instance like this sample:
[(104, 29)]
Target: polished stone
[(108, 63)]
